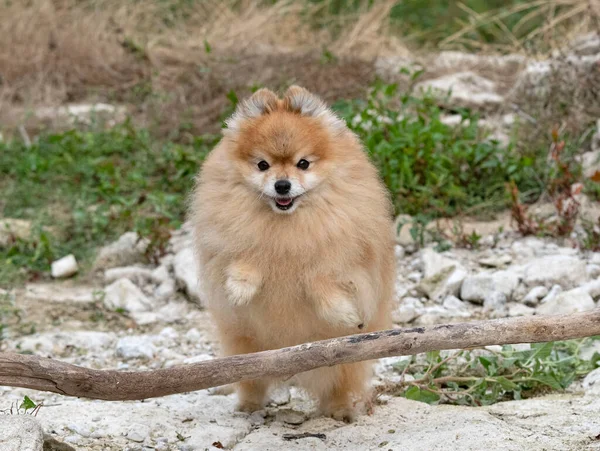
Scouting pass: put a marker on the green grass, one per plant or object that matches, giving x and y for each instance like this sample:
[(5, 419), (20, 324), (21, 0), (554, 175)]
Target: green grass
[(433, 169), (484, 377), (87, 187)]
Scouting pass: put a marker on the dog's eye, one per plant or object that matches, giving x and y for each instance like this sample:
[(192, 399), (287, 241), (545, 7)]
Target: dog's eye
[(303, 164), (263, 165)]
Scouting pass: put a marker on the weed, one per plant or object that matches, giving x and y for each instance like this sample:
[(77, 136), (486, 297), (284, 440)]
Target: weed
[(486, 376), (431, 168), (85, 188)]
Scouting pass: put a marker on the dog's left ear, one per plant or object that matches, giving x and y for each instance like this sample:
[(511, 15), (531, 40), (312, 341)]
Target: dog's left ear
[(300, 100)]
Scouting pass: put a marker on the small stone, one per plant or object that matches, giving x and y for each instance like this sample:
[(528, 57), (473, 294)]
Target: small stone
[(20, 433), (452, 303), (138, 432), (123, 294), (186, 271), (554, 291), (446, 282), (475, 288), (496, 261), (407, 310), (414, 276), (592, 288), (494, 304), (127, 250), (591, 383), (198, 358), (193, 335), (257, 418), (520, 310), (280, 395), (64, 267), (463, 89), (564, 270), (136, 274), (572, 301), (592, 270), (535, 294), (290, 416), (399, 252), (135, 347)]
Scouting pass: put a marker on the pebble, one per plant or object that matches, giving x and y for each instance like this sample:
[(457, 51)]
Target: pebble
[(64, 267)]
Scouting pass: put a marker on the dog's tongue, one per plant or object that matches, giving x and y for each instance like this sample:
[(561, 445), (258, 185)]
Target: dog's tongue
[(284, 201)]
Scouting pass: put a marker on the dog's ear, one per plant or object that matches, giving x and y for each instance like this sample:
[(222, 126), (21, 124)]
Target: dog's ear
[(261, 102), (303, 102)]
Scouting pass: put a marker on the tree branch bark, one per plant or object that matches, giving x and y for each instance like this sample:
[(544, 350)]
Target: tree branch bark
[(45, 374)]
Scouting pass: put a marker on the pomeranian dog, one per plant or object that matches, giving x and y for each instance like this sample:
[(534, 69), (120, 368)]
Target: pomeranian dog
[(293, 232)]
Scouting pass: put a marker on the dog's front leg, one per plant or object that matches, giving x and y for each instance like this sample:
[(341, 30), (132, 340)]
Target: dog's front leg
[(242, 283), (335, 302)]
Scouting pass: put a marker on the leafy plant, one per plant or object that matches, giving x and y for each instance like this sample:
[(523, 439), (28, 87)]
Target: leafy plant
[(82, 189), (486, 376), (431, 168)]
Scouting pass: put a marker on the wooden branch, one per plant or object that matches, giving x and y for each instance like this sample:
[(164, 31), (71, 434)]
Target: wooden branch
[(44, 374)]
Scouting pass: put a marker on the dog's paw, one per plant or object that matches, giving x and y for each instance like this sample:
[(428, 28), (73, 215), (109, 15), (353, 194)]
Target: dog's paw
[(242, 284), (342, 312), (345, 414)]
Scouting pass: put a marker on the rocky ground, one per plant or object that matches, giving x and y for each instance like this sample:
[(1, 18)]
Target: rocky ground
[(129, 316)]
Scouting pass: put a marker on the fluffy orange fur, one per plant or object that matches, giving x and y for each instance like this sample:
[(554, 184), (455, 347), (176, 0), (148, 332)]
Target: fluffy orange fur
[(323, 270)]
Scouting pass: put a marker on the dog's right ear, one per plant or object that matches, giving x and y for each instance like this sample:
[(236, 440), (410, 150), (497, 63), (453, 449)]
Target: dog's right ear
[(261, 102)]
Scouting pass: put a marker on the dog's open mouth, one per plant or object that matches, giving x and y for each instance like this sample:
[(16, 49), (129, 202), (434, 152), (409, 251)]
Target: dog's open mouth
[(284, 203)]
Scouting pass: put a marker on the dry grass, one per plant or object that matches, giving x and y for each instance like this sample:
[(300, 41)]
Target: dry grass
[(561, 21), (181, 62)]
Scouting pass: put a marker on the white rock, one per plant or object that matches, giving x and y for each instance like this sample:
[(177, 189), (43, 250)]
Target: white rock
[(432, 262), (407, 311), (563, 270), (172, 312), (138, 432), (496, 261), (198, 358), (520, 310), (554, 291), (494, 304), (592, 288), (57, 342), (57, 292), (135, 347), (193, 335), (399, 250), (136, 274), (591, 383), (127, 250), (534, 295), (572, 301), (465, 89), (64, 267), (14, 228), (452, 303), (20, 433), (166, 290), (123, 294), (446, 282), (186, 271), (592, 270), (475, 288)]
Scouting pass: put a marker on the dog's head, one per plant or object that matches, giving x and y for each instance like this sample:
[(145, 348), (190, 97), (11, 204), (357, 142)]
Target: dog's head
[(284, 148)]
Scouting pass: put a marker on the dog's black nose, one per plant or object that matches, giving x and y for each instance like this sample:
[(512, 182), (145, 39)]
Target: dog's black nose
[(283, 186)]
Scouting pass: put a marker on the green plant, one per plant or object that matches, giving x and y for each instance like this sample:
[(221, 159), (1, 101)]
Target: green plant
[(431, 168), (82, 189), (486, 376)]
